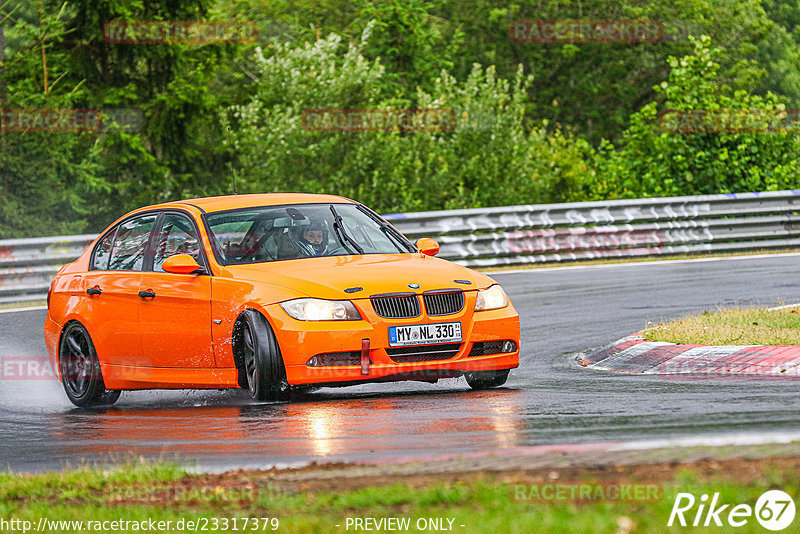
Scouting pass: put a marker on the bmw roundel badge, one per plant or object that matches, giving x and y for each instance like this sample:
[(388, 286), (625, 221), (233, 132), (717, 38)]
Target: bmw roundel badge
[(413, 286)]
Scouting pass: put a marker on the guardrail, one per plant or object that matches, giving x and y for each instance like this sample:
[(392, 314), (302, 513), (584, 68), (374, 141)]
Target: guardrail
[(514, 235), (28, 265), (547, 233)]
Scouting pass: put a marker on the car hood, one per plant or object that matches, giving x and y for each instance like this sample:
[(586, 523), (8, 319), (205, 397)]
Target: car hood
[(328, 277)]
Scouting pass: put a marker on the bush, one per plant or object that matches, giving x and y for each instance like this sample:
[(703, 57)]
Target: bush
[(486, 155), (650, 160)]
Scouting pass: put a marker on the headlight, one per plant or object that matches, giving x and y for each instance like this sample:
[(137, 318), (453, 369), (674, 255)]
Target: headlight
[(321, 310), (492, 298)]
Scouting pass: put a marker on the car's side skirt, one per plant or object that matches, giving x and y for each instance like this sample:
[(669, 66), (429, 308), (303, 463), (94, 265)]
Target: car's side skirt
[(129, 377)]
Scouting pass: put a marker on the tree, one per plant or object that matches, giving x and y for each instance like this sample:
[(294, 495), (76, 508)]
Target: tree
[(483, 153), (662, 156)]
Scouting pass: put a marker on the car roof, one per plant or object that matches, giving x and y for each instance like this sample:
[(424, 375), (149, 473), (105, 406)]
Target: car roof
[(232, 202)]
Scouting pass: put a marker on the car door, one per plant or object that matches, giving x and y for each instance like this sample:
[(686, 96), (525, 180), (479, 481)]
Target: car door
[(112, 291), (176, 320)]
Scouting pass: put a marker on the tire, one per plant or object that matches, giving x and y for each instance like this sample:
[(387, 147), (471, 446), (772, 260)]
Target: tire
[(486, 379), (261, 367), (80, 370)]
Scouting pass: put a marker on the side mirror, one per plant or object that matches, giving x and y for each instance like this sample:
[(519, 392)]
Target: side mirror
[(181, 264), (428, 246)]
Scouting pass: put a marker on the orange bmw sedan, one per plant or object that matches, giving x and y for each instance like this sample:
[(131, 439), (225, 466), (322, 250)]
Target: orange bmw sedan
[(271, 293)]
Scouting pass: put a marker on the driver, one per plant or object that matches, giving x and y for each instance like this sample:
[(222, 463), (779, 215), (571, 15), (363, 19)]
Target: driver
[(313, 239)]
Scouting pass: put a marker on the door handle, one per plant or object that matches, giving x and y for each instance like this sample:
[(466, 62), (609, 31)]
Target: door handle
[(94, 291), (147, 294)]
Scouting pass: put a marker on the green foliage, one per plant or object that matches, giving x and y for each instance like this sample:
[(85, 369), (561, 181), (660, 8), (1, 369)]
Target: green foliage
[(590, 89), (653, 160), (413, 45), (528, 122), (93, 177), (484, 156), (484, 504), (176, 87), (42, 176)]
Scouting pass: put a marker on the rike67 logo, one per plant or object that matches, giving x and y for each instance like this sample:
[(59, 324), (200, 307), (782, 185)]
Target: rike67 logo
[(774, 510)]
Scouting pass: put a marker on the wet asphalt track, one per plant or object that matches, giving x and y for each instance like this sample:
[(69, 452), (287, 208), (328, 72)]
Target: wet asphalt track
[(549, 399)]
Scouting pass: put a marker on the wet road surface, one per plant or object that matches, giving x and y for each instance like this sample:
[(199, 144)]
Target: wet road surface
[(549, 399)]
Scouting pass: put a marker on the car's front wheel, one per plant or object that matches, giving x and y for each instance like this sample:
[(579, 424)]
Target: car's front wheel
[(260, 357), (80, 369), (486, 379)]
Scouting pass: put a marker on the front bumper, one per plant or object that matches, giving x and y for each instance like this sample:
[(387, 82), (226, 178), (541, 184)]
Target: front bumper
[(301, 340)]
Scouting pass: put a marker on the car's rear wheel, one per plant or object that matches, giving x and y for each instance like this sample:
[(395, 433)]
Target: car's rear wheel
[(486, 379), (260, 357), (80, 369)]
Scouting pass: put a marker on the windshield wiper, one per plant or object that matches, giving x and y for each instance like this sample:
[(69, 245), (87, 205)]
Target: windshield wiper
[(391, 233), (341, 233), (387, 229)]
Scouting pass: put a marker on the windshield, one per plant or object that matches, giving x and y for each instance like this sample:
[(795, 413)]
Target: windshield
[(295, 231)]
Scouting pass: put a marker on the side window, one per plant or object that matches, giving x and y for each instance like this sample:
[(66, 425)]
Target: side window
[(177, 236), (102, 251), (130, 245)]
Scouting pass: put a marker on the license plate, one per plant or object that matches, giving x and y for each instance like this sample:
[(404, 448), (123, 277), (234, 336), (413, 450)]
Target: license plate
[(424, 334)]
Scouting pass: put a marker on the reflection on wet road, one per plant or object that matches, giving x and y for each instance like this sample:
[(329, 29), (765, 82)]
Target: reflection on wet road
[(294, 433)]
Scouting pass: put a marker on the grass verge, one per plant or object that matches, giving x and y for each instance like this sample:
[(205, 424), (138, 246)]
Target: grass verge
[(25, 304), (481, 502), (735, 326)]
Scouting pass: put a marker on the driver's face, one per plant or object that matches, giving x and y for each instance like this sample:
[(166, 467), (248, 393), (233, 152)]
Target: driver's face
[(313, 236)]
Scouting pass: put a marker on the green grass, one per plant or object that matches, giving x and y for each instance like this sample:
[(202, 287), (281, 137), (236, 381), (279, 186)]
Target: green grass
[(25, 304), (482, 504), (736, 326)]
